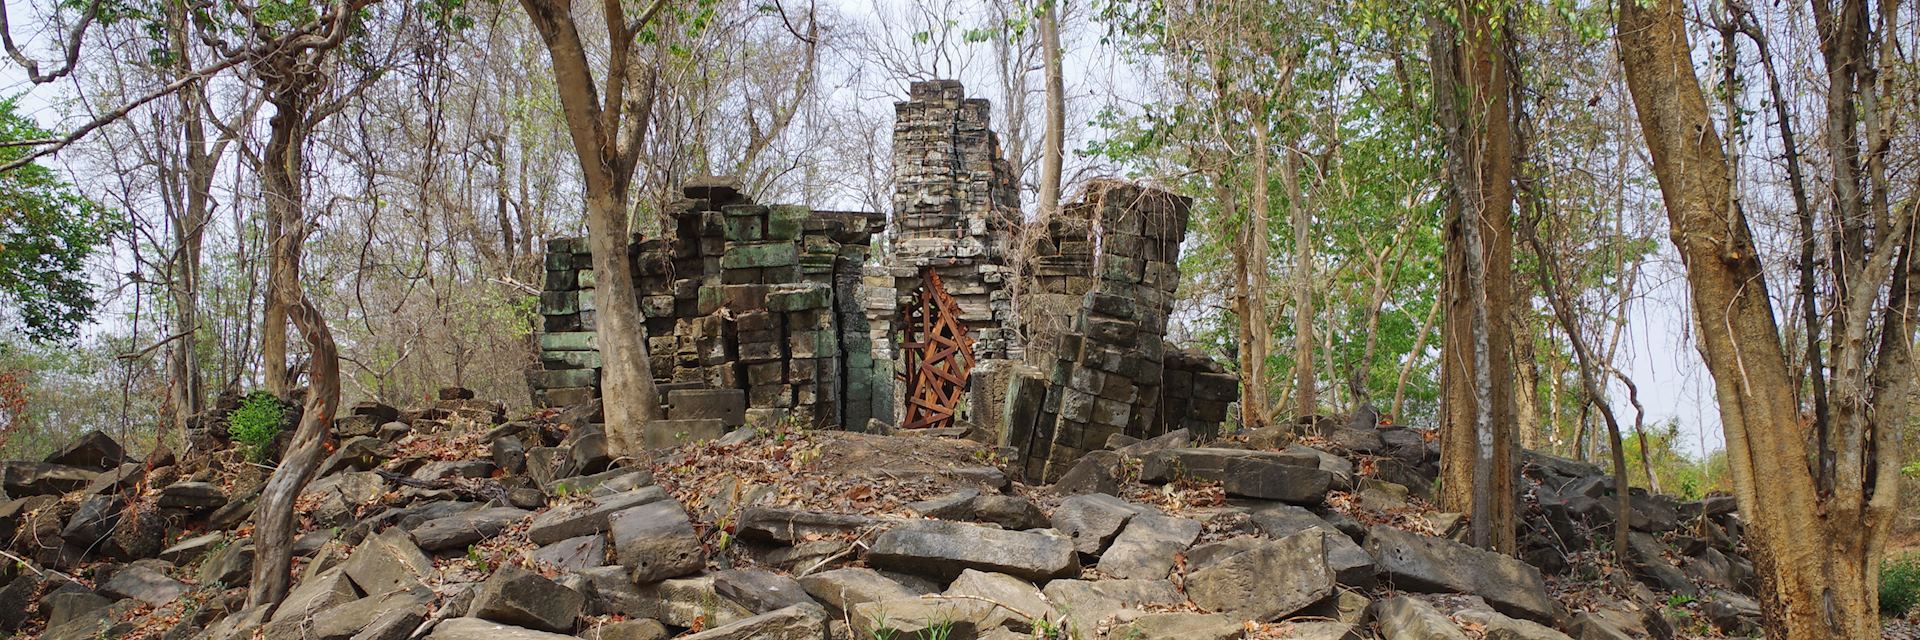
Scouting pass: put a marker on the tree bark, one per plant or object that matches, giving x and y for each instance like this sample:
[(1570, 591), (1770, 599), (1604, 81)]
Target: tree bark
[(1306, 400), (1054, 140), (1818, 555), (186, 391), (280, 183), (1476, 450)]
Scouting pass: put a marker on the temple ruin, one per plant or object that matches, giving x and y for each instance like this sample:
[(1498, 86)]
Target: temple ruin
[(1047, 337)]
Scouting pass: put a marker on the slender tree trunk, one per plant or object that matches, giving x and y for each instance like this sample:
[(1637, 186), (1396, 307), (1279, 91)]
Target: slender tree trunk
[(1054, 140), (1817, 556), (1476, 450), (280, 179), (187, 389), (1306, 400), (1419, 347), (1259, 329)]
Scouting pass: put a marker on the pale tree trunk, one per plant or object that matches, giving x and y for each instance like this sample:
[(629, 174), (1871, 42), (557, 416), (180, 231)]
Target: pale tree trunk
[(1817, 552), (273, 520), (1476, 450), (280, 180), (1413, 356), (1306, 401), (607, 139), (1526, 391), (186, 389), (1259, 342), (1054, 140)]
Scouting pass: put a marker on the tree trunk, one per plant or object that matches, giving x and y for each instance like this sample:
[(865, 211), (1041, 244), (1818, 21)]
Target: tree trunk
[(1413, 356), (1054, 140), (280, 180), (1259, 343), (273, 526), (606, 140), (186, 390), (1306, 401), (1818, 558), (1476, 450)]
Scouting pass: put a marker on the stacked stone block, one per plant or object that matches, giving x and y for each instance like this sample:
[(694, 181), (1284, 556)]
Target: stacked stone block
[(1108, 372), (757, 300), (1196, 393)]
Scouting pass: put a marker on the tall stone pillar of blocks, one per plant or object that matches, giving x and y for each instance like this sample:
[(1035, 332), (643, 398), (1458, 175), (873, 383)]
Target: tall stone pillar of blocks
[(956, 210)]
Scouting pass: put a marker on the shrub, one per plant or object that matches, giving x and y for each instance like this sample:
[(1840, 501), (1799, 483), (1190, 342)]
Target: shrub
[(1899, 585), (257, 422)]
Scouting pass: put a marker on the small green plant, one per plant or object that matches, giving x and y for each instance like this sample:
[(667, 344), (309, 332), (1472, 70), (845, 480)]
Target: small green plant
[(257, 422), (478, 559), (1680, 600), (939, 630), (1899, 585)]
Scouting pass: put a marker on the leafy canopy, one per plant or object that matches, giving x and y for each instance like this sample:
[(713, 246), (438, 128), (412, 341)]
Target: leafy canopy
[(47, 231)]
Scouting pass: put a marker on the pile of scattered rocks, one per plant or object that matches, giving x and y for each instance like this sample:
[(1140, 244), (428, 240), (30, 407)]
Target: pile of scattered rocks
[(453, 522)]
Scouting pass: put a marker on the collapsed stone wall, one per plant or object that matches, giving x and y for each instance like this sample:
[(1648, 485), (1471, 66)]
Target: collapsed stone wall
[(752, 315), (1118, 250)]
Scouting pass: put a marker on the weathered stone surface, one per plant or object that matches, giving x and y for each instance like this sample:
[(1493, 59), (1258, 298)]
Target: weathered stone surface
[(587, 517), (92, 450), (1146, 548), (1499, 627), (1016, 602), (345, 621), (230, 565), (922, 617), (843, 588), (798, 622), (458, 531), (1211, 463), (523, 598), (478, 629), (630, 630), (1268, 581), (656, 541), (64, 605), (1409, 618), (1352, 565), (1268, 480), (681, 602), (790, 525), (21, 479), (573, 554), (387, 562), (1092, 520), (144, 584), (759, 590), (1182, 626), (1417, 562), (937, 548), (1086, 603), (316, 595), (1096, 472)]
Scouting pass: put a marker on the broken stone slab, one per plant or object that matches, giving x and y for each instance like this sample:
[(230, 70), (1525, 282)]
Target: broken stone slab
[(230, 565), (519, 597), (679, 602), (630, 630), (1096, 472), (573, 554), (347, 620), (1422, 563), (657, 541), (478, 629), (589, 516), (314, 596), (388, 562), (944, 549), (1147, 547), (791, 525), (458, 531), (193, 496), (1211, 463), (1270, 580), (1498, 627), (1092, 520), (1269, 480), (1017, 603), (1352, 565), (759, 590), (1086, 602), (92, 450), (146, 585), (922, 617), (64, 605), (1183, 626), (843, 588), (22, 479), (798, 622), (1410, 618)]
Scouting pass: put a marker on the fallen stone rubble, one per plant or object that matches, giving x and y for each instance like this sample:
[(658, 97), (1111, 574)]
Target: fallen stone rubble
[(452, 522)]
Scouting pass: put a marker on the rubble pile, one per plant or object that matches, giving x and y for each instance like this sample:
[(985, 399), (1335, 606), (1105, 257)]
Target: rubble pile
[(454, 522)]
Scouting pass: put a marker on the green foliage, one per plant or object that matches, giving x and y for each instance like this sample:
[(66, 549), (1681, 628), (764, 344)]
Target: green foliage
[(47, 232), (1899, 585), (257, 422), (1679, 474)]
